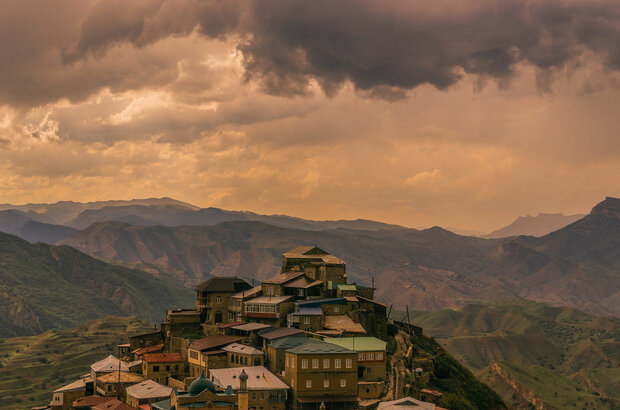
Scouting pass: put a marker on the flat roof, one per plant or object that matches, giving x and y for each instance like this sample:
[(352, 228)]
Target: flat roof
[(280, 332), (223, 284), (259, 378), (248, 327), (359, 344), (289, 342), (321, 302), (269, 300), (344, 323), (212, 342), (309, 311), (315, 346)]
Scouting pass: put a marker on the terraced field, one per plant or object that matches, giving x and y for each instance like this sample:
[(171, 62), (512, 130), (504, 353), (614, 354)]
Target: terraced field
[(33, 366)]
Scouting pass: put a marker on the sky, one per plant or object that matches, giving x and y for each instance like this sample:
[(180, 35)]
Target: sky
[(420, 113)]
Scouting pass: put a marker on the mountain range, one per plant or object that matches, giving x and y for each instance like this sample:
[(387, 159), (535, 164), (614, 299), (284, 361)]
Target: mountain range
[(558, 357), (539, 225), (46, 287)]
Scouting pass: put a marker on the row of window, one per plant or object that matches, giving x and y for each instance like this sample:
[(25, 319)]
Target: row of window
[(243, 360), (261, 308), (370, 356), (343, 383), (326, 363), (156, 368)]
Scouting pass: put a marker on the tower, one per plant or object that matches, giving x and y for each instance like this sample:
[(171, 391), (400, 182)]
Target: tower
[(243, 397)]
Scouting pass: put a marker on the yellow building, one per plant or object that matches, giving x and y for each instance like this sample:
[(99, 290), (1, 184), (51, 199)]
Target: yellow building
[(161, 366), (265, 390), (321, 372), (212, 298), (207, 353)]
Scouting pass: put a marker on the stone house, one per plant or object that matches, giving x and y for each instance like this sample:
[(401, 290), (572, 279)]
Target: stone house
[(236, 303), (114, 384), (63, 397), (147, 392), (269, 310), (238, 355), (316, 264), (161, 366), (276, 351), (212, 298), (207, 353), (320, 372)]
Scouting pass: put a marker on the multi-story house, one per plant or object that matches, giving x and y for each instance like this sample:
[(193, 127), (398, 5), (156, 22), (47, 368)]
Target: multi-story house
[(319, 372), (292, 283), (269, 310), (207, 353), (161, 366), (276, 351), (236, 303), (147, 392), (316, 263), (266, 390), (371, 356), (212, 297)]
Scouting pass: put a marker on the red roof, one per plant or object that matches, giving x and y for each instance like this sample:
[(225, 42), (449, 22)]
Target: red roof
[(148, 349), (162, 357), (90, 401)]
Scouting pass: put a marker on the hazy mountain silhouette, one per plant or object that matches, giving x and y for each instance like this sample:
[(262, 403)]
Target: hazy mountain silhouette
[(535, 225)]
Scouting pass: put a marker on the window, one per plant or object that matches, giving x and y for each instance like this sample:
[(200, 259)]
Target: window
[(379, 355), (176, 367), (262, 396), (245, 361), (253, 396), (326, 383), (109, 387), (232, 358), (287, 361), (370, 356), (325, 363), (306, 320), (292, 363), (315, 363), (218, 299), (155, 368), (337, 363), (167, 367), (349, 363), (343, 382), (304, 363), (193, 354), (308, 384), (360, 356), (336, 309)]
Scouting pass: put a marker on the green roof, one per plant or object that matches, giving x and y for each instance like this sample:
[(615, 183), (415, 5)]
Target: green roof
[(289, 342), (359, 344), (314, 346)]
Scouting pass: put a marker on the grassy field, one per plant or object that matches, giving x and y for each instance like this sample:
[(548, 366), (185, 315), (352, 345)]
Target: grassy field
[(31, 367)]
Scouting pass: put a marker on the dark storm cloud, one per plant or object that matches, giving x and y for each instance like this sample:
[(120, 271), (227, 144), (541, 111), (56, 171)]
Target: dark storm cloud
[(387, 44)]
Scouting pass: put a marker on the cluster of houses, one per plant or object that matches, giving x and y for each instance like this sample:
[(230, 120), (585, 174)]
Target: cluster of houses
[(303, 339)]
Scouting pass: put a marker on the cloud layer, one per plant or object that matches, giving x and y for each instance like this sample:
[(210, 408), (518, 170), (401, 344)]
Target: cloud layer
[(463, 114)]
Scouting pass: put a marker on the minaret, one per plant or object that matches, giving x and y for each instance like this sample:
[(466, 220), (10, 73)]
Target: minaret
[(243, 397)]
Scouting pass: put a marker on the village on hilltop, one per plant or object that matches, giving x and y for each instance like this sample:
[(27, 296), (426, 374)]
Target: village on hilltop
[(303, 339)]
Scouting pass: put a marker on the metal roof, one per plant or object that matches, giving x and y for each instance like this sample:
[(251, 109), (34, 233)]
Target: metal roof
[(242, 349), (314, 346), (212, 342), (269, 300), (148, 389), (289, 342), (76, 385), (310, 311), (303, 282), (284, 277), (406, 403), (248, 293), (321, 302), (359, 344), (109, 364), (223, 284), (259, 378), (248, 327), (122, 377), (279, 333)]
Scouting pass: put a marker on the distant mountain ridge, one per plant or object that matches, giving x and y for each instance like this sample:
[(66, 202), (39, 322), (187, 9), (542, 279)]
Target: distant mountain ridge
[(50, 287), (539, 225), (432, 269)]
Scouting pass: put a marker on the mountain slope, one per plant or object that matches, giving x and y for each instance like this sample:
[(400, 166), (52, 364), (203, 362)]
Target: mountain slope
[(535, 225), (432, 269), (49, 287), (559, 355), (34, 231)]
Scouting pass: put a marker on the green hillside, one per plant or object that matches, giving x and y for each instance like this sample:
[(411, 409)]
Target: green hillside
[(33, 366), (562, 356), (46, 287)]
